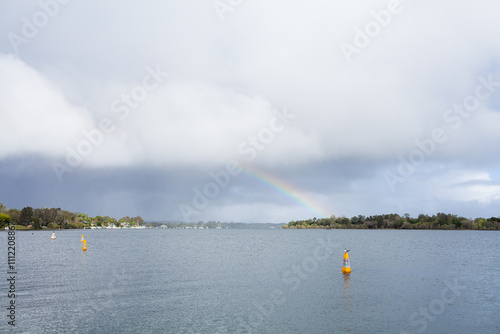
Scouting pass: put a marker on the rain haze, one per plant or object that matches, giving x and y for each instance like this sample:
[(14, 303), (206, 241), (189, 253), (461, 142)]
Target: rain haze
[(250, 111)]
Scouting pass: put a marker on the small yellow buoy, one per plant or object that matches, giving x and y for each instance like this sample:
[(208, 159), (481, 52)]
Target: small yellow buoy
[(82, 238), (84, 245), (346, 267), (53, 235)]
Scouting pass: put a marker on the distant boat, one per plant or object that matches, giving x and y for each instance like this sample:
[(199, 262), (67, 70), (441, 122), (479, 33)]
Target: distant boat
[(53, 235)]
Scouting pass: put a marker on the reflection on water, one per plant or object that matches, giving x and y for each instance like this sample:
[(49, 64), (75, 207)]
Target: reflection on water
[(347, 303), (347, 283)]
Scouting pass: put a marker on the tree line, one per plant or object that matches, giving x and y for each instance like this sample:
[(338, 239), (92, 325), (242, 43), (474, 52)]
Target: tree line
[(55, 218), (439, 221)]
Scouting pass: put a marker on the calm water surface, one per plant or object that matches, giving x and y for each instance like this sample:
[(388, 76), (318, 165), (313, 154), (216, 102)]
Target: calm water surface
[(255, 281)]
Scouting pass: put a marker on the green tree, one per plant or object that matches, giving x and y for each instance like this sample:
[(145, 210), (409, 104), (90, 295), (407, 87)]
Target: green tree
[(15, 214), (3, 208), (138, 220), (4, 219), (64, 218), (76, 225), (47, 215), (26, 216), (82, 216), (52, 225), (109, 219), (36, 223)]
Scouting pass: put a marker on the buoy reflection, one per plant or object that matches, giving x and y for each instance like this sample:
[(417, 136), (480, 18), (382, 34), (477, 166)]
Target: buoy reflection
[(347, 312)]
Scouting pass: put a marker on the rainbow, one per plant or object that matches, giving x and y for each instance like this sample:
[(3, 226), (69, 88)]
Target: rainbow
[(286, 189)]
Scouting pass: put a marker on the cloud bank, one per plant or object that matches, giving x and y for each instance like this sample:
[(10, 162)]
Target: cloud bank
[(407, 122)]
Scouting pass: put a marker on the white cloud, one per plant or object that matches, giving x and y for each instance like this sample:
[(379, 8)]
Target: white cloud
[(464, 186), (36, 118), (229, 78), (200, 123), (393, 92)]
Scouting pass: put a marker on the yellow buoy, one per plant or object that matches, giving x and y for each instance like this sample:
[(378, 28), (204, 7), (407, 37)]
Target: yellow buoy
[(53, 235), (83, 239), (84, 245), (346, 267)]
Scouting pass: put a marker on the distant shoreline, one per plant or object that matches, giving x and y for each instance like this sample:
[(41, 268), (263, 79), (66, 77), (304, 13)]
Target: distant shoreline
[(393, 221)]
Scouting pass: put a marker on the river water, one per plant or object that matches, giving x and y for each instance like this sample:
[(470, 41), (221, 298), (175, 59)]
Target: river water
[(254, 281)]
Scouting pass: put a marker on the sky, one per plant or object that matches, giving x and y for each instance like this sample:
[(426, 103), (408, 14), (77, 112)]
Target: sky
[(250, 111)]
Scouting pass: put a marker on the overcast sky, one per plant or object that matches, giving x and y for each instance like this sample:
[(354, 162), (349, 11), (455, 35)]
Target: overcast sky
[(250, 111)]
